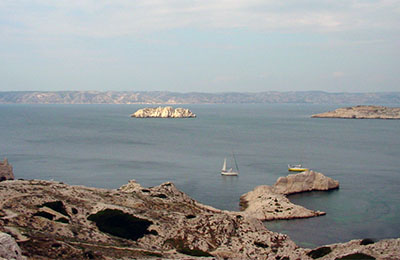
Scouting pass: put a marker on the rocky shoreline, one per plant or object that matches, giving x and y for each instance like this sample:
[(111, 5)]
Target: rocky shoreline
[(163, 112), (362, 112), (52, 220), (270, 202)]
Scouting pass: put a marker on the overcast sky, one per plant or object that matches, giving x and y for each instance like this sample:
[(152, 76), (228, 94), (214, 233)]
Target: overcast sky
[(202, 45)]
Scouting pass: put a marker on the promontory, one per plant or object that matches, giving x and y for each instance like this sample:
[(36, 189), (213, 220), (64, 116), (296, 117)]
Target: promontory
[(362, 112), (270, 202), (51, 220), (163, 112)]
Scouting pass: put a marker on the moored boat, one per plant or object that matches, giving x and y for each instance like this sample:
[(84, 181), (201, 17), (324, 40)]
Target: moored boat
[(296, 168), (230, 172)]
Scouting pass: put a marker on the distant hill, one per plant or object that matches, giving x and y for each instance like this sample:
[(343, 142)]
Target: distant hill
[(165, 97)]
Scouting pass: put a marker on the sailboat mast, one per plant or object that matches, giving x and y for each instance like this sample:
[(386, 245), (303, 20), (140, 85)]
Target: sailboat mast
[(234, 158)]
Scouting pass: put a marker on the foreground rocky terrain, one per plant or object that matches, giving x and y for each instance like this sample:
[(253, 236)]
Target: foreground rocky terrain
[(270, 202), (163, 112), (362, 112), (52, 220)]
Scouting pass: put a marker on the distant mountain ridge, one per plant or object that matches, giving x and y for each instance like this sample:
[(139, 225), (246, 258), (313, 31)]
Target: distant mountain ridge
[(165, 97)]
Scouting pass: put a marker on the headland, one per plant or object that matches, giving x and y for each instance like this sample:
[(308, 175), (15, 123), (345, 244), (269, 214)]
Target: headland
[(362, 112)]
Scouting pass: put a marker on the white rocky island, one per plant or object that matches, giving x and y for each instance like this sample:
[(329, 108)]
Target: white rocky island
[(163, 112), (270, 202), (362, 112)]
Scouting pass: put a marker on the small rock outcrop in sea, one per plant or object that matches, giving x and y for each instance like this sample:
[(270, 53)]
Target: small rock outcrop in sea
[(51, 220), (163, 112), (362, 112), (6, 171), (270, 202)]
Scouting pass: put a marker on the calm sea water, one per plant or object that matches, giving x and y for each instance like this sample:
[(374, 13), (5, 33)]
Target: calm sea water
[(101, 146)]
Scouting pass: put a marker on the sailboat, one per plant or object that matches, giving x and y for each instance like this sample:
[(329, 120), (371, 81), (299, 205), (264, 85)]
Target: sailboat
[(230, 172)]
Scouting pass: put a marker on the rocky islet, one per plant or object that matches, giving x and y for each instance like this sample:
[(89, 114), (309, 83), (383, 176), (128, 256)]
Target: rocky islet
[(270, 202), (163, 112), (362, 112)]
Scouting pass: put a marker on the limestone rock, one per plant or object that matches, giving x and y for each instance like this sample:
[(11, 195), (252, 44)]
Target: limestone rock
[(384, 249), (163, 112), (265, 204), (6, 171), (304, 181), (270, 202), (178, 227), (9, 249), (362, 112), (57, 221)]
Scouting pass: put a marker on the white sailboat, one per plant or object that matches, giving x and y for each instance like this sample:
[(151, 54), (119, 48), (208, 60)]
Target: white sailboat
[(230, 172)]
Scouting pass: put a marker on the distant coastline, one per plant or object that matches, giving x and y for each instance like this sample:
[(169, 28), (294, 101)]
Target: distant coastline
[(362, 112), (165, 97)]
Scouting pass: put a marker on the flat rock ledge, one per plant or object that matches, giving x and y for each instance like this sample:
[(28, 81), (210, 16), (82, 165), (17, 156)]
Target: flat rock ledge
[(362, 112), (270, 202), (52, 220), (163, 112)]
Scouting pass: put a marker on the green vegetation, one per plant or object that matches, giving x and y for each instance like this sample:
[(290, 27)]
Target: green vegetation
[(183, 248), (356, 256), (121, 224), (319, 252)]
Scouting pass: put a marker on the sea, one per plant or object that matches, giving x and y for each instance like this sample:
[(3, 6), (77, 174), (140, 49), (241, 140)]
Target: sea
[(102, 146)]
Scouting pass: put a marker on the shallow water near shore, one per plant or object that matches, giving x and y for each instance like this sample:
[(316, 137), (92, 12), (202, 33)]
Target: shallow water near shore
[(101, 146)]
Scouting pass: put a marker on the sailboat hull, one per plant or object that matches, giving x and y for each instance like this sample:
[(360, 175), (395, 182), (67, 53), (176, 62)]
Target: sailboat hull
[(229, 173)]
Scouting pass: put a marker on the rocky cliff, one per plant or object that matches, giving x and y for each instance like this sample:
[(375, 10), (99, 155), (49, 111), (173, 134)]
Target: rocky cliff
[(270, 202), (163, 112), (6, 171), (52, 220), (362, 112)]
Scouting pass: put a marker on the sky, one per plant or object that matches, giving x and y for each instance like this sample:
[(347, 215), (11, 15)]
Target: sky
[(200, 45)]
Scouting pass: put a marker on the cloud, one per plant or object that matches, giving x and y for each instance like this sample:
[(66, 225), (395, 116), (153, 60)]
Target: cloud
[(338, 74), (101, 18)]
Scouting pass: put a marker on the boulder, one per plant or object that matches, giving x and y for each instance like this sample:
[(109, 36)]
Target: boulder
[(9, 249), (6, 171)]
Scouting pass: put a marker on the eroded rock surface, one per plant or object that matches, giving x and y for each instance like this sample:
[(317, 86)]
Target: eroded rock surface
[(363, 112), (304, 181), (6, 171), (58, 221), (270, 202), (9, 249), (163, 112), (174, 226)]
